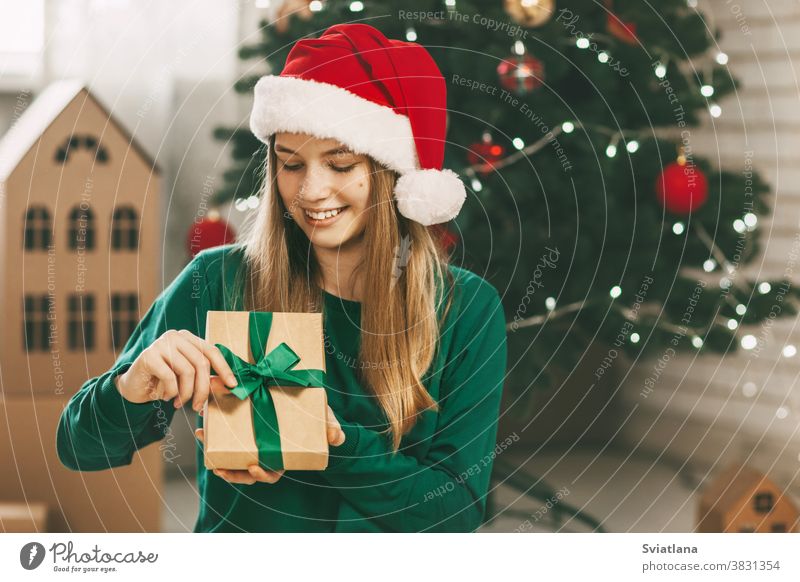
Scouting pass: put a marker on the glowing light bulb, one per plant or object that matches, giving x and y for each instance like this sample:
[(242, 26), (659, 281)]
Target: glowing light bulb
[(749, 389), (748, 342)]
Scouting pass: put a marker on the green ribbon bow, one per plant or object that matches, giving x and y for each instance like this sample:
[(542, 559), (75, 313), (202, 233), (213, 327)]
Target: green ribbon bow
[(272, 369)]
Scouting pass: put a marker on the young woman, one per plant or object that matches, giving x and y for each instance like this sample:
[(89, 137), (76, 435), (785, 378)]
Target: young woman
[(415, 348)]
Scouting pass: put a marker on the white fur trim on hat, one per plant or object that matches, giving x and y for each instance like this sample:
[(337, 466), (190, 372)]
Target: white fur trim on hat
[(430, 196), (298, 105)]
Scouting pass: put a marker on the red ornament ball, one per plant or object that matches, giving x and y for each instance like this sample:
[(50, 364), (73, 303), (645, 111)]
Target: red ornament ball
[(682, 188), (621, 30), (521, 74), (618, 28), (208, 232), (484, 155)]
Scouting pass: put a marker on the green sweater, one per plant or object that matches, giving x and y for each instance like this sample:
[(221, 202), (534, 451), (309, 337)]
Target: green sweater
[(437, 481)]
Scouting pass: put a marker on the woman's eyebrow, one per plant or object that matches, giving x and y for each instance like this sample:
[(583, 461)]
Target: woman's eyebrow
[(337, 150)]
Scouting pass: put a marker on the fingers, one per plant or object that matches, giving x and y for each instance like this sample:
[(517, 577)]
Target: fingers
[(336, 435), (241, 477), (178, 376), (217, 386), (191, 359), (202, 372), (155, 365), (185, 372), (254, 474), (219, 364), (264, 476), (215, 358)]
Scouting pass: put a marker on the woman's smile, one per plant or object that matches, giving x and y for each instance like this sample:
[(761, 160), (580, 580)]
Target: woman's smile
[(324, 218)]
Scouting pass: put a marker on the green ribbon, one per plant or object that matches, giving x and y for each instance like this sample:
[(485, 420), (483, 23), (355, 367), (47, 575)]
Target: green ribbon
[(272, 369)]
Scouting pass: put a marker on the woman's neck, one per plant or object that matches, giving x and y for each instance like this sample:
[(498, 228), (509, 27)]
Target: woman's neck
[(337, 267)]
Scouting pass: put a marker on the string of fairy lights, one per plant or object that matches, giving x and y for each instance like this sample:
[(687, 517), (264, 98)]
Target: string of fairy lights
[(618, 138)]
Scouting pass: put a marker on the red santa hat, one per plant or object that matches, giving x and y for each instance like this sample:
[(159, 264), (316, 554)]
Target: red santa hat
[(381, 97)]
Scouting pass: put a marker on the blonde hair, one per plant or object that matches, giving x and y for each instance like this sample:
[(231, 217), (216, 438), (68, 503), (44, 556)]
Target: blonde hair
[(399, 327)]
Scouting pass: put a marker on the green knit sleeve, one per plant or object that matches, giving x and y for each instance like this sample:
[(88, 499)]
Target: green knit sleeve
[(98, 428), (446, 491)]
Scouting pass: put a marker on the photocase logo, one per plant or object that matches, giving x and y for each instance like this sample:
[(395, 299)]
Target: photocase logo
[(31, 555)]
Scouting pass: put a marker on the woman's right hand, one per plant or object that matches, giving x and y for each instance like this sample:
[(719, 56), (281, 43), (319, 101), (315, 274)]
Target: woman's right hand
[(177, 365)]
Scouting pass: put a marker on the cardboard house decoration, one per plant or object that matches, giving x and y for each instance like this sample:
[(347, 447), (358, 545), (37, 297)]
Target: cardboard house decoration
[(742, 500), (79, 216)]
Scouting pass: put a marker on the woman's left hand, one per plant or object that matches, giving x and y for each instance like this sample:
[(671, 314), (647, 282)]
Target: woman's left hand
[(255, 473)]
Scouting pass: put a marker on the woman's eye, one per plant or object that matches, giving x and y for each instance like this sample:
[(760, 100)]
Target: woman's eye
[(334, 167)]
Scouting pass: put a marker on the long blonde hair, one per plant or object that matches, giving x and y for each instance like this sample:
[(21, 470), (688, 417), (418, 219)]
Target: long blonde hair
[(399, 326)]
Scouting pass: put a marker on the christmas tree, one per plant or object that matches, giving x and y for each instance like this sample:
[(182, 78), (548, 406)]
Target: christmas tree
[(588, 208)]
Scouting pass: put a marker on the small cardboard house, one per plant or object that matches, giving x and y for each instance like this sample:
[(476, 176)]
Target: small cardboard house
[(79, 208), (78, 241), (742, 500)]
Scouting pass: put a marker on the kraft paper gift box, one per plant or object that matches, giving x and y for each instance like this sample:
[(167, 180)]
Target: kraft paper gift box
[(19, 517), (276, 416)]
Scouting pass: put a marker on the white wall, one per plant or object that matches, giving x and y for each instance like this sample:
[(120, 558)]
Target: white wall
[(165, 69), (743, 406)]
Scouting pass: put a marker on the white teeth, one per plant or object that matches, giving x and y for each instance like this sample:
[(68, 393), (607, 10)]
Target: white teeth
[(323, 215)]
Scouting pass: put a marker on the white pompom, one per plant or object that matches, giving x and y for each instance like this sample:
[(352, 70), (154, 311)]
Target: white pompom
[(430, 196)]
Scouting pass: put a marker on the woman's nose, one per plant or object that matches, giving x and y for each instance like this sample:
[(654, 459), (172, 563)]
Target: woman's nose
[(317, 185)]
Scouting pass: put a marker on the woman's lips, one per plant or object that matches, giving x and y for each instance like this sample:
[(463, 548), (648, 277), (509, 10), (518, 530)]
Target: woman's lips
[(317, 223)]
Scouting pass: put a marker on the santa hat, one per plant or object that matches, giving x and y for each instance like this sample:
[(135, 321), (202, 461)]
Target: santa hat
[(380, 97)]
